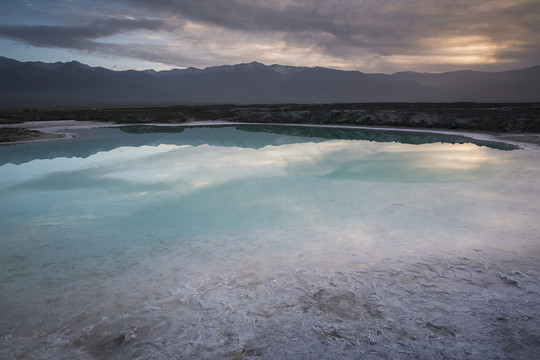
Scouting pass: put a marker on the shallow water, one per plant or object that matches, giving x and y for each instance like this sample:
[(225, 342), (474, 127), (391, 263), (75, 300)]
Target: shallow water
[(268, 242)]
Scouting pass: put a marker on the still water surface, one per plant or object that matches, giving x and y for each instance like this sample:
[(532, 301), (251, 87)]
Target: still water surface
[(268, 242)]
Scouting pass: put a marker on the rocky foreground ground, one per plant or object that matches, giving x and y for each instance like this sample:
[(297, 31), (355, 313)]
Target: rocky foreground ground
[(520, 120)]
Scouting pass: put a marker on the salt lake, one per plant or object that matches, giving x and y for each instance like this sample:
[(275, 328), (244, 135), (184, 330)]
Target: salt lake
[(269, 242)]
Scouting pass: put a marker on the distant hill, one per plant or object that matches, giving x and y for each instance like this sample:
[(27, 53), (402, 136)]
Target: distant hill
[(40, 84)]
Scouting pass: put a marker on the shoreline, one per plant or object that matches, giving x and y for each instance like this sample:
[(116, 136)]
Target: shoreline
[(39, 131)]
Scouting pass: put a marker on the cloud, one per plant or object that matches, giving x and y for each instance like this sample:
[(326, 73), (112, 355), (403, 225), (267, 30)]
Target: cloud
[(367, 35), (92, 35), (360, 22), (346, 30), (80, 37)]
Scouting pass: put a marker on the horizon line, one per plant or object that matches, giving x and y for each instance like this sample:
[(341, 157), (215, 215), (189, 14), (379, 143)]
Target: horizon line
[(265, 65)]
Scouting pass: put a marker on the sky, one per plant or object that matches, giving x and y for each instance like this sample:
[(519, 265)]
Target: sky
[(372, 36)]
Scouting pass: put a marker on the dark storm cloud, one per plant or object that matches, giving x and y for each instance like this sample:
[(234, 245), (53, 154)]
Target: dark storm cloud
[(80, 37)]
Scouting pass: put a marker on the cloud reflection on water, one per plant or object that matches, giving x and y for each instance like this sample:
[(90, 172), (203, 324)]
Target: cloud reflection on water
[(190, 167), (184, 189)]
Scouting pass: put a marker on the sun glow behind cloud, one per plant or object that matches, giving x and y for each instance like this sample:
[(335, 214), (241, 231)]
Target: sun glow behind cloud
[(469, 49), (457, 52)]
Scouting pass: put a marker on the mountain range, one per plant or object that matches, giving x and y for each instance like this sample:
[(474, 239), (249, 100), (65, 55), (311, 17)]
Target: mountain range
[(38, 84)]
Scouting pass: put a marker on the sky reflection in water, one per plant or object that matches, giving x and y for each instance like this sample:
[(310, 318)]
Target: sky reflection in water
[(246, 179)]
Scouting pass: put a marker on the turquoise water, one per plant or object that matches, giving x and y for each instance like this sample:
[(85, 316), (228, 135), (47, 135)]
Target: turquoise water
[(273, 242)]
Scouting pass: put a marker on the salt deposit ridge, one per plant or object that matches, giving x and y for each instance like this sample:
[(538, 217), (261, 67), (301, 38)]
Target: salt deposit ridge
[(296, 248)]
